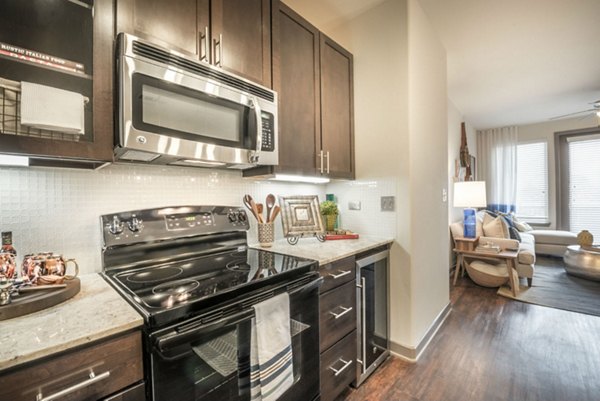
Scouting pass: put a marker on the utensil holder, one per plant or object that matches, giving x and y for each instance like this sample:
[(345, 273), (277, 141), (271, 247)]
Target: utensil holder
[(266, 234)]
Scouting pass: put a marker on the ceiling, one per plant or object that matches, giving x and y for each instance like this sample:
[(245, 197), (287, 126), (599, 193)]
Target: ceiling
[(510, 62)]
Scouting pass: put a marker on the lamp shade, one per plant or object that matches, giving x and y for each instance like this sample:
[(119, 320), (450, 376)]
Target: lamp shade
[(469, 194)]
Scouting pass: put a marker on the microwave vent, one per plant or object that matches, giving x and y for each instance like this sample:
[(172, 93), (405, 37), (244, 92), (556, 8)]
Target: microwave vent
[(137, 156), (163, 56)]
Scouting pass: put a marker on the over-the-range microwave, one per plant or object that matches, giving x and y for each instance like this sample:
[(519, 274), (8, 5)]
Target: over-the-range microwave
[(175, 110)]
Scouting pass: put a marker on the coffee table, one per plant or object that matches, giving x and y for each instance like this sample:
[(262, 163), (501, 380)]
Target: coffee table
[(583, 262), (509, 257)]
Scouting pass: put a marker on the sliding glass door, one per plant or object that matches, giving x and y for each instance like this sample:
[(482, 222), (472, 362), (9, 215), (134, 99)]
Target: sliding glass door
[(580, 182)]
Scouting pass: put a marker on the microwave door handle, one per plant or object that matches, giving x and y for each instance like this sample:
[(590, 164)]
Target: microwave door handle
[(254, 156)]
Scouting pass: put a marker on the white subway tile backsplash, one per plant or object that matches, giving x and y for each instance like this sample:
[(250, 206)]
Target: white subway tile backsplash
[(58, 209), (370, 220)]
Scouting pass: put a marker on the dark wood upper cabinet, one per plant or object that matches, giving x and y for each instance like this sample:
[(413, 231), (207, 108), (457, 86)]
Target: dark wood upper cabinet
[(244, 26), (175, 24), (313, 78), (232, 34), (82, 32), (297, 84), (337, 105)]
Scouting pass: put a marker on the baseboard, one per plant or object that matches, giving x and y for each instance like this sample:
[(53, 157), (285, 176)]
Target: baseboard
[(412, 354)]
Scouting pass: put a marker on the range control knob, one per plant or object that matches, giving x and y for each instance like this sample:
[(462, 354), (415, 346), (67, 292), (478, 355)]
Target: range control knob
[(116, 227), (232, 216), (242, 216), (135, 225)]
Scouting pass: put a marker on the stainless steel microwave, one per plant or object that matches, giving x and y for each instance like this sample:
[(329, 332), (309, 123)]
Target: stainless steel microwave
[(176, 110)]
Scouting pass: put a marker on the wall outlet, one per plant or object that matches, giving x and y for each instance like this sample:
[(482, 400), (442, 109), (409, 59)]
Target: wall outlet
[(354, 205), (444, 195), (387, 203)]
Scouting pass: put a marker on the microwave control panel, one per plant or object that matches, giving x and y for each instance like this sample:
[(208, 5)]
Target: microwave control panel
[(268, 132)]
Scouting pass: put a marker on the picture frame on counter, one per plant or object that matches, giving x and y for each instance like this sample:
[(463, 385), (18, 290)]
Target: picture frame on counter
[(301, 217)]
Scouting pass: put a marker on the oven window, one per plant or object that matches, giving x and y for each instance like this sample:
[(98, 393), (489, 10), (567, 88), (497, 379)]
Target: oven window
[(215, 365), (164, 108)]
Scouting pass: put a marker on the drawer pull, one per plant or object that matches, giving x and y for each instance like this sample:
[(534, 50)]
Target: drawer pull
[(339, 371), (342, 273), (59, 394), (339, 315)]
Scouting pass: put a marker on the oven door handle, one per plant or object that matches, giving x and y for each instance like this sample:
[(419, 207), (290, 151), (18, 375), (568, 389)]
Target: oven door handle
[(174, 339)]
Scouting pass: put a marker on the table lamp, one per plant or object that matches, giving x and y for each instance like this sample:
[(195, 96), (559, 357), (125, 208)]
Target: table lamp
[(469, 194)]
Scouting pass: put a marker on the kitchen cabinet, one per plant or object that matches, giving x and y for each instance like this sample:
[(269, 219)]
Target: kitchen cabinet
[(337, 327), (232, 34), (81, 33), (106, 370), (313, 77)]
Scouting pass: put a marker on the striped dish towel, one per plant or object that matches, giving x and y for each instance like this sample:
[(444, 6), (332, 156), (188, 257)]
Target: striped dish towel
[(271, 370)]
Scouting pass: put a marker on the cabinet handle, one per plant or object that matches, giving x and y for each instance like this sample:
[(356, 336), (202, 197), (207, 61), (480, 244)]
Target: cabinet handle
[(204, 41), (339, 315), (219, 43), (88, 382), (342, 273), (327, 162), (321, 156), (339, 371), (363, 325)]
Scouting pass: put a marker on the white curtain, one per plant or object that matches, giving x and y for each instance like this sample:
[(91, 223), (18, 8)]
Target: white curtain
[(497, 152)]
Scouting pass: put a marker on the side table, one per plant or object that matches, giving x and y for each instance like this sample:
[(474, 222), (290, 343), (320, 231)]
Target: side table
[(509, 257)]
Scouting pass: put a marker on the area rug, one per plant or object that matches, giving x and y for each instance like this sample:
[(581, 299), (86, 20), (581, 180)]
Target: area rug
[(554, 288)]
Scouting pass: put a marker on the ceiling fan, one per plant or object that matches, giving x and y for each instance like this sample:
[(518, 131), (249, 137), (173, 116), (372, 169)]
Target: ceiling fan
[(595, 109)]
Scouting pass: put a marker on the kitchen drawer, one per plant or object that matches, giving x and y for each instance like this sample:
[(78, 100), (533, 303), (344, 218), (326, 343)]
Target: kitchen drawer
[(134, 393), (337, 273), (337, 315), (115, 363), (338, 367)]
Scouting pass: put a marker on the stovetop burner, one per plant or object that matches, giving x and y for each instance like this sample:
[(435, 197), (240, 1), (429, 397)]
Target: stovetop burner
[(187, 259), (176, 288), (155, 275)]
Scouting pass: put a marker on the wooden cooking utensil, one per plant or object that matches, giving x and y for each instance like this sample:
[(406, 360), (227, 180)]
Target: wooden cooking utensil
[(270, 204), (249, 202), (276, 211), (260, 208)]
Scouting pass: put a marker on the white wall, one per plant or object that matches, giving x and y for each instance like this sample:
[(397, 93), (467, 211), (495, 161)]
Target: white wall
[(545, 131), (58, 210), (402, 149), (428, 171)]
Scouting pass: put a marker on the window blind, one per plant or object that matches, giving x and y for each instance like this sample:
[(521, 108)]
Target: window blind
[(584, 185), (532, 181)]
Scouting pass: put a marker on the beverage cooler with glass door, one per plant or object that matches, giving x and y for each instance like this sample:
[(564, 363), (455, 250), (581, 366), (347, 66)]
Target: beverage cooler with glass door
[(372, 299)]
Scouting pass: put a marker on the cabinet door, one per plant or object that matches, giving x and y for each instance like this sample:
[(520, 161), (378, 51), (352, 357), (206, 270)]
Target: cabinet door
[(178, 25), (296, 80), (244, 26), (337, 108)]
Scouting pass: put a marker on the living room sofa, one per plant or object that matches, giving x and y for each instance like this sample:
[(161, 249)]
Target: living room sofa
[(526, 258)]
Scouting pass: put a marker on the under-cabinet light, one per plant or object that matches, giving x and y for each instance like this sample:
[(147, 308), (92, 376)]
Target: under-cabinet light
[(9, 160), (300, 178)]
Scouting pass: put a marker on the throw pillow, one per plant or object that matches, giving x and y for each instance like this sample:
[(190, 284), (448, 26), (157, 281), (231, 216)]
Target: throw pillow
[(514, 233), (521, 225), (496, 228)]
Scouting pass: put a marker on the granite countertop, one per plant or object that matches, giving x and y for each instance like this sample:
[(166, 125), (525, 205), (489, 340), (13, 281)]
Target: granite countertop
[(98, 311), (328, 251)]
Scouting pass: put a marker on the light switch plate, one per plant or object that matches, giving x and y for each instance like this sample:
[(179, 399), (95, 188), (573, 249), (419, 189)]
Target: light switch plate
[(354, 205), (387, 203)]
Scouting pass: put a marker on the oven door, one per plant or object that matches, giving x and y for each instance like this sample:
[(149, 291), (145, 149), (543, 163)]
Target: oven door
[(211, 362), (167, 112)]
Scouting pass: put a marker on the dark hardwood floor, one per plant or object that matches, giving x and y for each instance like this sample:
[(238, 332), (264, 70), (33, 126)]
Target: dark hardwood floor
[(495, 349)]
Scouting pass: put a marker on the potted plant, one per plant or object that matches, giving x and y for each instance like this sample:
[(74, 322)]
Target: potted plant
[(329, 210)]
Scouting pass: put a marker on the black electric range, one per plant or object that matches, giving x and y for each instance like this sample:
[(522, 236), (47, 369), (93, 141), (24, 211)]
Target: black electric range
[(189, 272)]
